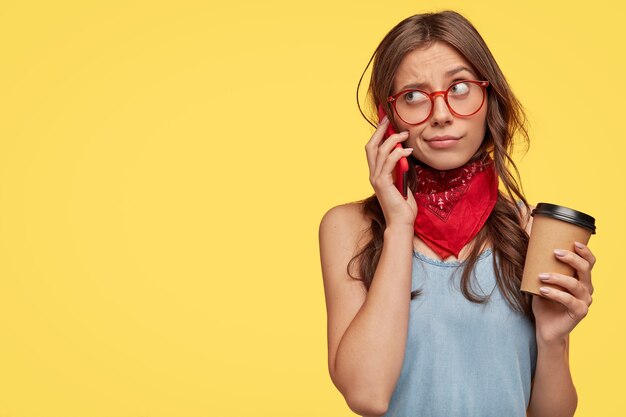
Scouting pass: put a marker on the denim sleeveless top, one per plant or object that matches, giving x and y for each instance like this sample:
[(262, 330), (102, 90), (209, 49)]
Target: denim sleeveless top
[(463, 359)]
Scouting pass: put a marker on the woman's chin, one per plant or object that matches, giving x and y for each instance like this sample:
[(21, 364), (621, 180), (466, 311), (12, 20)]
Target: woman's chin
[(441, 164)]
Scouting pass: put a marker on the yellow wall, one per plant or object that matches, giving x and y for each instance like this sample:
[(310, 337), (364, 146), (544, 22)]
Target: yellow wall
[(163, 171)]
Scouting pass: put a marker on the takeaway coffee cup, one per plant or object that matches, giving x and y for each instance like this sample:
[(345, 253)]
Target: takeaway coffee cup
[(554, 227)]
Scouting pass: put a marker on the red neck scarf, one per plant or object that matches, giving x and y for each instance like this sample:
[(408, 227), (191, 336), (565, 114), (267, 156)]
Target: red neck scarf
[(453, 205)]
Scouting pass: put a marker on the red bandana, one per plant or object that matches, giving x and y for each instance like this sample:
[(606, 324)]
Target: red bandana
[(453, 205)]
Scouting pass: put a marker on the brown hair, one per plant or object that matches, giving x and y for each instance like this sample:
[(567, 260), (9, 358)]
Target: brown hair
[(505, 117)]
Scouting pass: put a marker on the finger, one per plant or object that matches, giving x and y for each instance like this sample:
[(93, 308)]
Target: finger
[(386, 148), (584, 251), (371, 147), (571, 284), (388, 166), (576, 308), (392, 140), (385, 177), (580, 264)]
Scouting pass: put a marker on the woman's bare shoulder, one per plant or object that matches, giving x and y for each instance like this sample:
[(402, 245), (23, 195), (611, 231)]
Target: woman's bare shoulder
[(345, 219)]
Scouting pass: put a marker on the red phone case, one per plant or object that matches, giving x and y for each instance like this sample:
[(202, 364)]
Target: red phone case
[(400, 172)]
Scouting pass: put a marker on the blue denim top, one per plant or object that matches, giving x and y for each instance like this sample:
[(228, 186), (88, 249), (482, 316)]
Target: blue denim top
[(463, 359)]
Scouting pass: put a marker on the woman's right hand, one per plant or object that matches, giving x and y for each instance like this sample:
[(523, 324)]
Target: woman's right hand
[(382, 159)]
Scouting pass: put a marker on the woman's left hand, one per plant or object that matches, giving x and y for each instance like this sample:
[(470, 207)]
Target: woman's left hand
[(555, 320)]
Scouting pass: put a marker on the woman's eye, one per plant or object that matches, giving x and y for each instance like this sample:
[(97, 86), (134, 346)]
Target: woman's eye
[(414, 97), (460, 88)]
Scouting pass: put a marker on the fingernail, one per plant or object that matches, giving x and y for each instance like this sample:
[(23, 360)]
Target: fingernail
[(384, 120), (408, 149), (544, 276), (559, 252), (579, 245), (405, 133), (544, 290)]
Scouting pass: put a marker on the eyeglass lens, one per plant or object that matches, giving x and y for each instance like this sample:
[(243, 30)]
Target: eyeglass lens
[(463, 98)]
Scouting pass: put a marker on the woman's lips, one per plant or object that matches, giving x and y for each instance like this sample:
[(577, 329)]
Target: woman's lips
[(442, 142)]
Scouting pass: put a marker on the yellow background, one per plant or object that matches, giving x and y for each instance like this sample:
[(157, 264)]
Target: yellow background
[(164, 168)]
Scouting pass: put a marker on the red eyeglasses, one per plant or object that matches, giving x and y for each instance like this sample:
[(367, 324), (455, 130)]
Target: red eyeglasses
[(463, 98)]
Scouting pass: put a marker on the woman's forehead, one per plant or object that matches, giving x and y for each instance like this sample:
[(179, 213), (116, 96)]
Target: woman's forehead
[(436, 63)]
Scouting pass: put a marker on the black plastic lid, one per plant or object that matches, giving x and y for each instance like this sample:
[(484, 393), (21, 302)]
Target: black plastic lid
[(567, 215)]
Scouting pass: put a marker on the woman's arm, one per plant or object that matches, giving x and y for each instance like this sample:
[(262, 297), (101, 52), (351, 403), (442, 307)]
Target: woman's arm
[(367, 331), (553, 392), (556, 313)]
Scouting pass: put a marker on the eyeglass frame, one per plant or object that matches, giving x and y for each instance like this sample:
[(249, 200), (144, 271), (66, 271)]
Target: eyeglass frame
[(431, 96)]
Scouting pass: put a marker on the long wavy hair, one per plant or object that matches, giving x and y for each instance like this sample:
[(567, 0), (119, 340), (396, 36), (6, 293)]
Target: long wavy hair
[(505, 119)]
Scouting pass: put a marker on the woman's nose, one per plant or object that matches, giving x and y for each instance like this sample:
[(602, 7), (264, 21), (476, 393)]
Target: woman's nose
[(441, 112)]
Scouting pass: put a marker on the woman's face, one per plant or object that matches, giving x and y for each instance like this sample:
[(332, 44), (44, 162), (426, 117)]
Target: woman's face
[(429, 66)]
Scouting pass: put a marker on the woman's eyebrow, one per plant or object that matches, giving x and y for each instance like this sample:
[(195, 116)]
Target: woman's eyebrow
[(448, 73)]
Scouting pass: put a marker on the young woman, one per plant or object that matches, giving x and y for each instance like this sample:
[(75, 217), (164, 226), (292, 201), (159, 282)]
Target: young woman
[(425, 315)]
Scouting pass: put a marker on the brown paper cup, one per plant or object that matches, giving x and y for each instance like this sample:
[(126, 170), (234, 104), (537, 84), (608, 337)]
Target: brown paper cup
[(554, 227)]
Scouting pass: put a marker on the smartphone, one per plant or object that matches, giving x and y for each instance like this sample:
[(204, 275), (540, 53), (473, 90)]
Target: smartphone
[(401, 170)]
